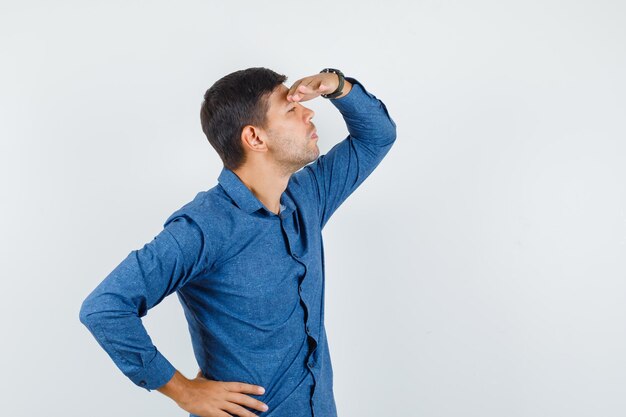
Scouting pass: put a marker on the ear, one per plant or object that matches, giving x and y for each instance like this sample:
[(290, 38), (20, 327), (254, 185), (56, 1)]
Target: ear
[(252, 139)]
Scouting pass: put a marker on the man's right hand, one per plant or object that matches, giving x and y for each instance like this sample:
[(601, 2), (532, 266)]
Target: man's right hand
[(208, 398)]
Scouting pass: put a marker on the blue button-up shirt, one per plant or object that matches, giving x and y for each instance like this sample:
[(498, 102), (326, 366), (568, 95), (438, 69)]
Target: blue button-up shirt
[(251, 282)]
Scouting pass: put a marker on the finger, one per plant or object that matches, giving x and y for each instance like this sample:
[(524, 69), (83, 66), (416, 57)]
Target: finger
[(323, 87), (303, 89), (237, 410), (300, 88), (221, 413), (243, 387), (306, 93), (247, 401), (303, 93), (293, 89), (307, 86)]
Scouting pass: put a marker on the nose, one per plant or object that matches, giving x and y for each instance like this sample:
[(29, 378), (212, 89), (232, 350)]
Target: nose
[(309, 113)]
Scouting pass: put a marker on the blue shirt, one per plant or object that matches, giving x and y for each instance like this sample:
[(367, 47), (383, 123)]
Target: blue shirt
[(251, 282)]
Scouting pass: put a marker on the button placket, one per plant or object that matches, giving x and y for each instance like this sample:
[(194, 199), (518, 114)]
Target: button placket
[(297, 256)]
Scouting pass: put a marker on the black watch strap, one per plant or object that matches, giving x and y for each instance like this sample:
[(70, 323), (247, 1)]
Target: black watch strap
[(339, 89)]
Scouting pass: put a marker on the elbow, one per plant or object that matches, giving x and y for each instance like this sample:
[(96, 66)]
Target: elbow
[(394, 133), (391, 130), (86, 312), (83, 315), (391, 133)]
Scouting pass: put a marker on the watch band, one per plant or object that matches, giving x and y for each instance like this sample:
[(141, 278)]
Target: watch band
[(339, 89)]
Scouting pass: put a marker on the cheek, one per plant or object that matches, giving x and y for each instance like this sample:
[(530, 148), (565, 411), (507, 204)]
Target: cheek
[(292, 133)]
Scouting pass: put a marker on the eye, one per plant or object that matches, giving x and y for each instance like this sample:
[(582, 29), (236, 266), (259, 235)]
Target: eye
[(292, 109)]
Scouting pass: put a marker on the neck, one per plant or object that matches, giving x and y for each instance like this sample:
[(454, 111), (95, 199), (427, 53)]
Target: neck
[(266, 182)]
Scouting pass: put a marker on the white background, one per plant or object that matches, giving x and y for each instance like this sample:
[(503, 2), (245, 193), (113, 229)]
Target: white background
[(479, 271)]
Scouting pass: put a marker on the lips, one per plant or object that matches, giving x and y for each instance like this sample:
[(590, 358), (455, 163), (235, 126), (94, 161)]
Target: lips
[(314, 135)]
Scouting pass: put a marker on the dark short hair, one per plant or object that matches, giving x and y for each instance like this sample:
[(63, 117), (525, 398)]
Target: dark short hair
[(234, 101)]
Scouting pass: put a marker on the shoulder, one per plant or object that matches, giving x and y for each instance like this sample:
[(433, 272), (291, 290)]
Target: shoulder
[(209, 212)]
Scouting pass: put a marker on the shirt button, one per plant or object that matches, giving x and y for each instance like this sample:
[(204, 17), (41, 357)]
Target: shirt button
[(142, 383), (308, 329)]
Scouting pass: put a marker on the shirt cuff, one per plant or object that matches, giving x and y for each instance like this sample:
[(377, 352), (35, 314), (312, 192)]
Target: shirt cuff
[(155, 374), (355, 99)]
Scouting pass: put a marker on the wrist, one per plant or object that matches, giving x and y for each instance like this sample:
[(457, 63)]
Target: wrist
[(176, 388), (347, 86), (341, 89)]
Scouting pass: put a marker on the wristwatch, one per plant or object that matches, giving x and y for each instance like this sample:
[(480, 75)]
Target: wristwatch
[(339, 89)]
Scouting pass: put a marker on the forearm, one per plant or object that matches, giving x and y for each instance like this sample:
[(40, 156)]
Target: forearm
[(113, 310), (366, 117), (124, 338), (112, 313)]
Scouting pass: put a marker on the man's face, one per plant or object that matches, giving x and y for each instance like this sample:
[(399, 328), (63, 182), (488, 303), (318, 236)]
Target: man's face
[(292, 138)]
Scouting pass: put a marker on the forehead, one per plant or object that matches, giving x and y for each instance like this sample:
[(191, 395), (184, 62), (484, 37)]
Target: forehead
[(278, 98)]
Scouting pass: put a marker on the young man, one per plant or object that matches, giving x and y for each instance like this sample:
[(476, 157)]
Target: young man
[(246, 257)]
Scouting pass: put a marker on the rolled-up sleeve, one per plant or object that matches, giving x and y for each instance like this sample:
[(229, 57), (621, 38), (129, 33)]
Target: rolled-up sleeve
[(112, 311), (343, 169)]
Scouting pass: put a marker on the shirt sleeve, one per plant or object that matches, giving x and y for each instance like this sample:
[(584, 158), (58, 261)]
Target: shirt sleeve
[(113, 310), (341, 170)]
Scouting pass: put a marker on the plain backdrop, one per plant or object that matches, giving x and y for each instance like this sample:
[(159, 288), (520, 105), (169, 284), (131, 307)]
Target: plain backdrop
[(479, 271)]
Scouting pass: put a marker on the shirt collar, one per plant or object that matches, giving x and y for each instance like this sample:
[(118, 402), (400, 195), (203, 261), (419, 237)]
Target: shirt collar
[(245, 199)]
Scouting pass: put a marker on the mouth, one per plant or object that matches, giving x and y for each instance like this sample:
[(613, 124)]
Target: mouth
[(314, 135)]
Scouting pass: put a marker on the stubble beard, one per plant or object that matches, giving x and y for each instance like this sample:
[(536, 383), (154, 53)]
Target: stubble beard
[(294, 154)]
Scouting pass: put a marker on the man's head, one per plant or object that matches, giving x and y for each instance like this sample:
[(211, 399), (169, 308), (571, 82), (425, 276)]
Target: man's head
[(246, 115)]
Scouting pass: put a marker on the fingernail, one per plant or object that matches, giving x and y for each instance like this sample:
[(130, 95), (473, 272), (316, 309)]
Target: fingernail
[(262, 390), (265, 407)]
